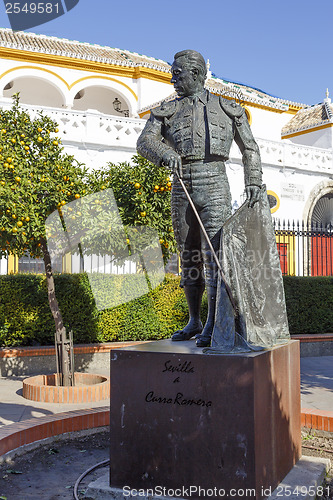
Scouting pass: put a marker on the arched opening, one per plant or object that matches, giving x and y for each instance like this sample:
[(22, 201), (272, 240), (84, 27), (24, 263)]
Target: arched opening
[(35, 91), (102, 99), (322, 214), (322, 236)]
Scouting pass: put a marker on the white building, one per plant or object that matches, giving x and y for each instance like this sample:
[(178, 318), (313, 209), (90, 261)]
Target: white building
[(101, 97)]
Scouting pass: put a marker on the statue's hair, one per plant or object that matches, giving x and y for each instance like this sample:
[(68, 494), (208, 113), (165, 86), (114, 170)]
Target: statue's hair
[(194, 60)]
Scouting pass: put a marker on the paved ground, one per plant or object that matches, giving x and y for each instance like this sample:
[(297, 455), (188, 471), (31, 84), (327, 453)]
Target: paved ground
[(317, 383), (316, 390), (14, 407)]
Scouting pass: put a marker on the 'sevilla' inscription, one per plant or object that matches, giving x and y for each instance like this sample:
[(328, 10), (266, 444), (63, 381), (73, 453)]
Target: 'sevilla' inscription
[(185, 367)]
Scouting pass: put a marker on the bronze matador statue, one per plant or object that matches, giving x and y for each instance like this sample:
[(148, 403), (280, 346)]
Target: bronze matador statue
[(193, 135)]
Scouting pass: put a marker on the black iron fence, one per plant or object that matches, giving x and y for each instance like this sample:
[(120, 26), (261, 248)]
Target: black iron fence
[(305, 249)]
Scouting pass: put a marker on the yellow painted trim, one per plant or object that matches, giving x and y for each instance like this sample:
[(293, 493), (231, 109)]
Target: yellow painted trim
[(307, 131), (67, 263), (64, 81), (294, 109), (12, 266), (84, 65), (274, 209), (144, 113), (38, 69), (152, 74), (105, 78), (248, 114), (288, 238)]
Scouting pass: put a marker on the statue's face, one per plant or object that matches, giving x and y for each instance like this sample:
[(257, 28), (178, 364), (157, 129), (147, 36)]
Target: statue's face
[(185, 79)]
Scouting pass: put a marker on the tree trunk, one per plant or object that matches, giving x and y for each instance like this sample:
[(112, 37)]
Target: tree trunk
[(63, 346)]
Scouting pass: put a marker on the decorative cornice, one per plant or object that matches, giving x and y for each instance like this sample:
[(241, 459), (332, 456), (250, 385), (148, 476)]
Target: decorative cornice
[(245, 102), (117, 69), (306, 130), (41, 49)]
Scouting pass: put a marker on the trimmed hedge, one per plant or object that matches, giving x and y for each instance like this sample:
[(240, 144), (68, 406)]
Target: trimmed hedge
[(26, 319), (309, 304), (25, 316)]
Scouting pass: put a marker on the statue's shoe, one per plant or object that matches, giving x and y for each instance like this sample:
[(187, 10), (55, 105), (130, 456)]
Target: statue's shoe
[(203, 341), (181, 335)]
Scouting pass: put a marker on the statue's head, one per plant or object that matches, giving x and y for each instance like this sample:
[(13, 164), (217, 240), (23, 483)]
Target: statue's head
[(188, 73)]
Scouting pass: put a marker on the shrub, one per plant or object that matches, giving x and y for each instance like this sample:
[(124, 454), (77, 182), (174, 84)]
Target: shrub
[(309, 304), (25, 317)]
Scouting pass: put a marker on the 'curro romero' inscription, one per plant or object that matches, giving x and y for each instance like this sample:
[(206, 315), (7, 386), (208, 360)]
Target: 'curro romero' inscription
[(179, 399)]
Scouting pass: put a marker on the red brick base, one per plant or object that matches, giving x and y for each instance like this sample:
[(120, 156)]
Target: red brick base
[(88, 388), (13, 436), (18, 434), (321, 420)]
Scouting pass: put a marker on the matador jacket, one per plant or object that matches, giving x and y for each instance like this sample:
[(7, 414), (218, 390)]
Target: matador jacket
[(206, 134)]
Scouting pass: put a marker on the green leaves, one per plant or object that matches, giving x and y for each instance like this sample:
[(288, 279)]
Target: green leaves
[(36, 178), (143, 192)]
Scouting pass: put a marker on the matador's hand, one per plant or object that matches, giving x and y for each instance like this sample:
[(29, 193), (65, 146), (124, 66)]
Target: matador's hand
[(252, 195), (172, 160)]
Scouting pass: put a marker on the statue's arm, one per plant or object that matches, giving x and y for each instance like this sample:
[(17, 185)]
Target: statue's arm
[(251, 159), (150, 144), (246, 143), (250, 152)]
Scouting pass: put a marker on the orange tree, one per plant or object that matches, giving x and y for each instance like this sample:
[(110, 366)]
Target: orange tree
[(36, 178), (142, 192)]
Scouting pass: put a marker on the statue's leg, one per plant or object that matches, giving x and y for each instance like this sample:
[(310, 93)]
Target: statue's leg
[(187, 235), (193, 296), (213, 198), (204, 339)]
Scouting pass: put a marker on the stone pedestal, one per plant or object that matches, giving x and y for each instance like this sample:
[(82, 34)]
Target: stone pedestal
[(182, 419)]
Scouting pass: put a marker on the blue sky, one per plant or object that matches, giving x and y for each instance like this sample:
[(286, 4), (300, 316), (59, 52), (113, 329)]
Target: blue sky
[(282, 47)]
